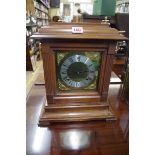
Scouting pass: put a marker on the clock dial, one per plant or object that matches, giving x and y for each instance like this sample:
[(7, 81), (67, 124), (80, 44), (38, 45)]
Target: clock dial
[(77, 70)]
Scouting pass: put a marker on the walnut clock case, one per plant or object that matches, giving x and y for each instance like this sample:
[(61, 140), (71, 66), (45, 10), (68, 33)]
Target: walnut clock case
[(77, 71)]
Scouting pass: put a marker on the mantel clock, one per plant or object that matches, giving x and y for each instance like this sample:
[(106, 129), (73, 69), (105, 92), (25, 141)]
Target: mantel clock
[(77, 70)]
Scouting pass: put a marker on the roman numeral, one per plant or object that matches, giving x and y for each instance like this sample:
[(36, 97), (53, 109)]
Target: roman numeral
[(64, 65), (90, 65), (63, 72), (70, 82), (78, 58), (88, 78), (86, 60), (66, 78), (77, 84), (70, 59)]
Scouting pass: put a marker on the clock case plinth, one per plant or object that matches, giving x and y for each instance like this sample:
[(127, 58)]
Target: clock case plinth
[(77, 106)]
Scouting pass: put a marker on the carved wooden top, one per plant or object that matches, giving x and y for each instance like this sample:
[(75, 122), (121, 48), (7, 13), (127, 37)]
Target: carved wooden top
[(90, 31)]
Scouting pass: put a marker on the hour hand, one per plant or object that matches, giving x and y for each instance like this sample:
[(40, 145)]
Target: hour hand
[(80, 72), (85, 71)]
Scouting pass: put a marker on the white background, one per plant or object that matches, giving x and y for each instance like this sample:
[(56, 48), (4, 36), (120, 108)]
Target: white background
[(13, 77)]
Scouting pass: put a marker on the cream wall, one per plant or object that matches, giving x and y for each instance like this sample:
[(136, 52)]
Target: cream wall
[(56, 11), (53, 12)]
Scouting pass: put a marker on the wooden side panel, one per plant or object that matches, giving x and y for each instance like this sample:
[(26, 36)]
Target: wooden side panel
[(102, 68), (107, 75), (108, 69), (49, 71)]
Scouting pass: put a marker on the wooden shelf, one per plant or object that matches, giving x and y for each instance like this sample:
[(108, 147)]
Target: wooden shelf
[(31, 25), (42, 18), (47, 6), (41, 10)]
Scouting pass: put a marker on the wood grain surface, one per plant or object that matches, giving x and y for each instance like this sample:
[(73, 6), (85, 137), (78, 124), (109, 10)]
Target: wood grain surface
[(82, 138)]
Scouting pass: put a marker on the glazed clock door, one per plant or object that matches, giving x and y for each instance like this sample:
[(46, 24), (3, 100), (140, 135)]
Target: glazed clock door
[(77, 71)]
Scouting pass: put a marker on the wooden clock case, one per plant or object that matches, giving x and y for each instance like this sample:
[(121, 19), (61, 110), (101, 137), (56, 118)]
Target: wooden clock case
[(77, 106)]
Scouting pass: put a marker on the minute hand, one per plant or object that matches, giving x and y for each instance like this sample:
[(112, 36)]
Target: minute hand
[(80, 72)]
